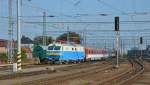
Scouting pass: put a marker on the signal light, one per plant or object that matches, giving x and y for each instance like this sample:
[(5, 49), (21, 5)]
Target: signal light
[(117, 23), (141, 40)]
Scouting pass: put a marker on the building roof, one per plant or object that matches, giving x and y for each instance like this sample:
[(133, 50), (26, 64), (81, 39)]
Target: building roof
[(3, 40), (3, 43)]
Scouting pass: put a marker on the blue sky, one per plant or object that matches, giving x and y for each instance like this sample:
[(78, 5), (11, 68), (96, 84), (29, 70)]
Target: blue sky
[(77, 11)]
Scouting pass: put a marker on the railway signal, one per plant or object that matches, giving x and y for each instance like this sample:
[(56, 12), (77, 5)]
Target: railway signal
[(117, 23), (141, 42), (117, 39)]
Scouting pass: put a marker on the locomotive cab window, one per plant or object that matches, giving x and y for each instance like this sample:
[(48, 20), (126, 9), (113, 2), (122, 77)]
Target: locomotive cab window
[(57, 47), (51, 47)]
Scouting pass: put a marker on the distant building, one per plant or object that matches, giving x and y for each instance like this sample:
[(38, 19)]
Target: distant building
[(3, 43), (28, 52), (27, 46), (28, 49), (3, 46)]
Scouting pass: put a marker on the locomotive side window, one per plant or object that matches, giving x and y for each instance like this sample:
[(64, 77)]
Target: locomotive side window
[(72, 49), (75, 49)]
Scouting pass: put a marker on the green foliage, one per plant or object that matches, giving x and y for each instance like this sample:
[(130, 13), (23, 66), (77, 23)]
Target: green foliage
[(3, 56), (39, 40), (73, 37), (23, 55), (38, 52)]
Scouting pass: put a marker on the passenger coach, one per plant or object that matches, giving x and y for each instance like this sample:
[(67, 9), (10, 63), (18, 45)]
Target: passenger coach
[(95, 54)]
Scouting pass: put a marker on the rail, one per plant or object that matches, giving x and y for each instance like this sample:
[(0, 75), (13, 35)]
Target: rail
[(136, 75), (125, 77)]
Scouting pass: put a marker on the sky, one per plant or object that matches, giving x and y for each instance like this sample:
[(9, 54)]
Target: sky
[(92, 11)]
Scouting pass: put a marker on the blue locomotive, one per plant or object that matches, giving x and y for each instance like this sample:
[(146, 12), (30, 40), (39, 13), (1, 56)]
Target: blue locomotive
[(65, 53)]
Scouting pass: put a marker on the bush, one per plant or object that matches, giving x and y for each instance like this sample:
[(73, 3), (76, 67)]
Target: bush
[(39, 52), (3, 57)]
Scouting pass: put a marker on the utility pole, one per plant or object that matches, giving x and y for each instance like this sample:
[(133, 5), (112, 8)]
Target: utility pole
[(105, 44), (117, 40), (68, 35), (44, 29), (19, 35), (10, 33), (84, 37)]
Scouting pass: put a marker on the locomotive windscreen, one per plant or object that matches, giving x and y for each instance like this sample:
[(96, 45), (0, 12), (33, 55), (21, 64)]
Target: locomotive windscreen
[(53, 47)]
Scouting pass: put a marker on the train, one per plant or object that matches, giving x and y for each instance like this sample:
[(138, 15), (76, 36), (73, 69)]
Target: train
[(59, 53), (135, 52)]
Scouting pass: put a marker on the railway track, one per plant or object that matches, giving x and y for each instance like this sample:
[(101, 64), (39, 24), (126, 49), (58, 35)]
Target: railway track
[(126, 77), (145, 77), (84, 71), (19, 78), (97, 76)]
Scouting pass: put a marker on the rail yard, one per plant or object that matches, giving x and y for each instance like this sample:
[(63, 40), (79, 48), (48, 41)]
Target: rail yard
[(74, 42)]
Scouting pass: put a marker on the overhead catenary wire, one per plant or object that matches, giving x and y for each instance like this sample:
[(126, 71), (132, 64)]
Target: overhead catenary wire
[(104, 22), (112, 7)]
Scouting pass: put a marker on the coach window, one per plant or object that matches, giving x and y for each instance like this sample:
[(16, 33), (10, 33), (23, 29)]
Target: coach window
[(89, 51)]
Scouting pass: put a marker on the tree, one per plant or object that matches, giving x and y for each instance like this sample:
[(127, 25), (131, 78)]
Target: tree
[(38, 52), (73, 37), (3, 56), (26, 40), (39, 40)]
